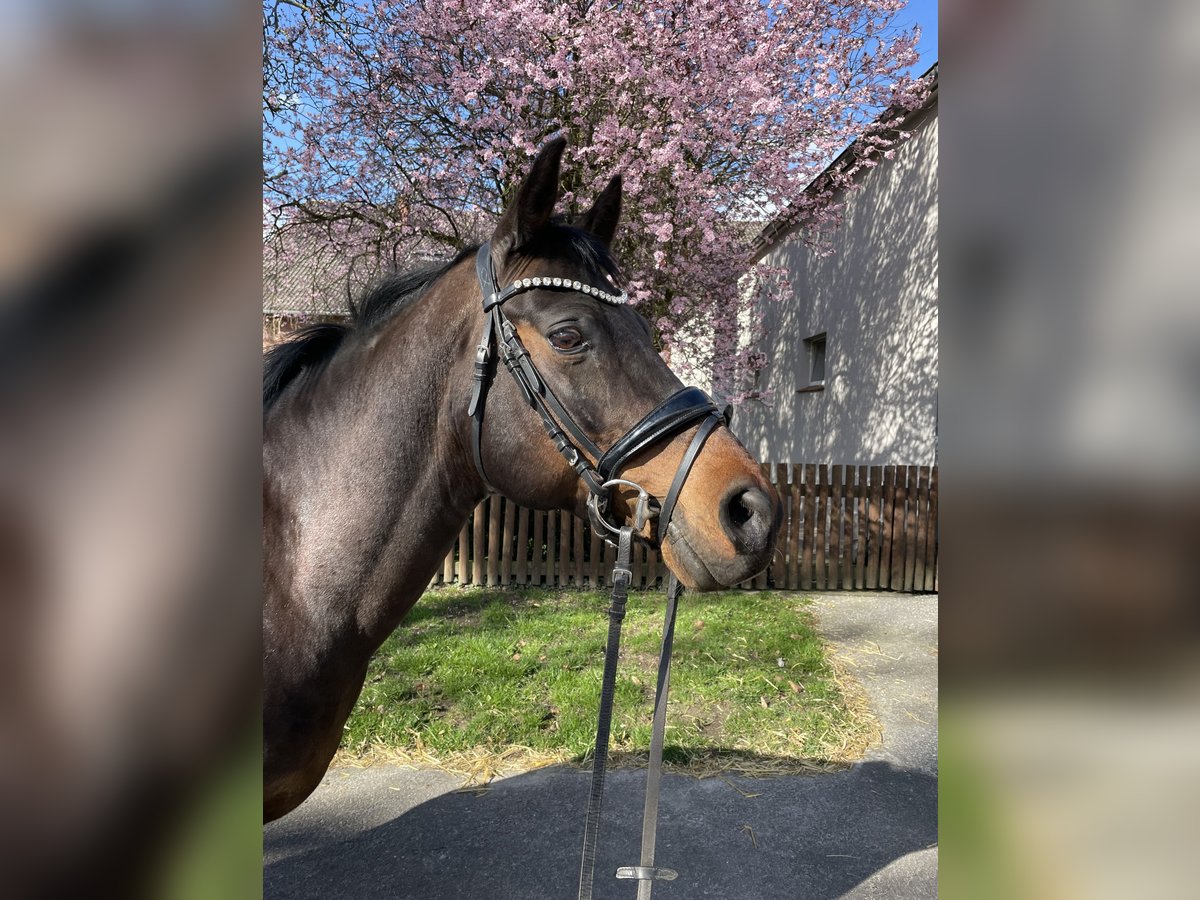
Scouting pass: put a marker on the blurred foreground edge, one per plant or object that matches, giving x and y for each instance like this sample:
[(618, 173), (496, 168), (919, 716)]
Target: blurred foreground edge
[(1092, 578), (129, 624)]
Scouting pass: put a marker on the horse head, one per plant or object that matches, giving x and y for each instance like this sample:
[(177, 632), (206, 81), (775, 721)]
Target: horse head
[(592, 356)]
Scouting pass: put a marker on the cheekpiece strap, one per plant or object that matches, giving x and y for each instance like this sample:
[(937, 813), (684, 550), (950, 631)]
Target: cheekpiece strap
[(681, 473), (499, 330)]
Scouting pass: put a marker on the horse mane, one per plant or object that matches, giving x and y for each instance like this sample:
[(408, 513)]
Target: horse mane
[(310, 350), (397, 291), (307, 351)]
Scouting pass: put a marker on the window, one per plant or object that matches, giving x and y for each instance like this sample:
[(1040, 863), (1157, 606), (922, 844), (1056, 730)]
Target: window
[(814, 348)]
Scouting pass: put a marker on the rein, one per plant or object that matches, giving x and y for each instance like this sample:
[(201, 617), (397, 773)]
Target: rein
[(678, 412)]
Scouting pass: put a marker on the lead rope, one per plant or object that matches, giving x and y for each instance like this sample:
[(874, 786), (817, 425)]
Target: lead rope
[(621, 577), (646, 873)]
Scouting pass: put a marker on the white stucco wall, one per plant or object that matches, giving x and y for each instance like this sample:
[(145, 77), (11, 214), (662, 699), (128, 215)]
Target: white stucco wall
[(876, 298)]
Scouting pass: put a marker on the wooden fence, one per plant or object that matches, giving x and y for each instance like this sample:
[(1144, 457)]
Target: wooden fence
[(844, 528)]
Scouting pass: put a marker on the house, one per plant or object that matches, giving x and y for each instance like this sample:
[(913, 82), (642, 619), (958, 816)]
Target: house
[(305, 275), (312, 268), (853, 353)]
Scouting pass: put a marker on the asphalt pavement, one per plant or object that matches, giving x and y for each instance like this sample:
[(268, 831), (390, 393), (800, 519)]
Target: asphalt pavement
[(867, 832)]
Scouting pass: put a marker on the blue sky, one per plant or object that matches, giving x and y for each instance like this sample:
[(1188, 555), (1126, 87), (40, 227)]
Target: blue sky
[(925, 14)]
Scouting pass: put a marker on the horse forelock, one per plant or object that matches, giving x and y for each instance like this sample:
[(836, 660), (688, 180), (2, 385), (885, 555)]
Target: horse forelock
[(561, 240)]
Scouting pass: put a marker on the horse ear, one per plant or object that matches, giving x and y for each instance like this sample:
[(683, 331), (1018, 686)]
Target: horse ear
[(534, 203), (601, 220)]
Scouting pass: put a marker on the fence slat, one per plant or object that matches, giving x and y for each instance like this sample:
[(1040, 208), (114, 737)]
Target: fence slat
[(564, 548), (821, 531), (896, 581), (886, 547), (847, 525), (797, 523), (477, 543), (506, 542), (810, 514), (594, 546), (910, 527), (931, 546), (875, 528), (910, 530), (922, 529), (891, 533), (861, 498), (493, 540), (537, 553), (577, 528), (777, 475), (602, 562), (551, 546), (835, 526), (448, 567), (521, 569), (463, 566)]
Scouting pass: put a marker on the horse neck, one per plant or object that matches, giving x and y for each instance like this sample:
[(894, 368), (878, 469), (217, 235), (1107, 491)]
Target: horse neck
[(378, 481)]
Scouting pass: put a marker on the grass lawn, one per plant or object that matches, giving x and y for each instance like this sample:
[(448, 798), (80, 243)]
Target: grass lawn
[(507, 674)]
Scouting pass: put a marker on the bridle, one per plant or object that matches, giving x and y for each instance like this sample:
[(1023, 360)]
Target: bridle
[(678, 412)]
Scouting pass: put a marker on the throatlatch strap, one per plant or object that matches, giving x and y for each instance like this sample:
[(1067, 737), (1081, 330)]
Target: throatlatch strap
[(621, 577)]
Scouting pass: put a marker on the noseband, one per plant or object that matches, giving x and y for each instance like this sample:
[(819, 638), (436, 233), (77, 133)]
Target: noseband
[(676, 413)]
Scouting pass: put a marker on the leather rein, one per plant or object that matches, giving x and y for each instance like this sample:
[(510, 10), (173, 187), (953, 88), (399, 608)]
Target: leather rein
[(678, 412)]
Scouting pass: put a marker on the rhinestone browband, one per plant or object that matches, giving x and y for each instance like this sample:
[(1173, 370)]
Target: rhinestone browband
[(562, 284)]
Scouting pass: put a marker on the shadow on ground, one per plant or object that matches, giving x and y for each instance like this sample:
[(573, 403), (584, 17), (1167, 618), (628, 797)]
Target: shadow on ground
[(387, 832)]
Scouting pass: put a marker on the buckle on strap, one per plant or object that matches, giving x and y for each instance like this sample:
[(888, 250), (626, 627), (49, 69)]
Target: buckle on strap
[(622, 576)]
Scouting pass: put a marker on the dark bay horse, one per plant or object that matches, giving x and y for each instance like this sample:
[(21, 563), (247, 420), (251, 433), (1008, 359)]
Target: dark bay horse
[(369, 469)]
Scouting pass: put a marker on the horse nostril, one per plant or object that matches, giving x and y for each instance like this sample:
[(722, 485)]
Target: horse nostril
[(739, 512), (746, 516)]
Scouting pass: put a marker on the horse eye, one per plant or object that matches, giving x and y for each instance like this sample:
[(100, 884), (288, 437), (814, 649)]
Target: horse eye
[(566, 339)]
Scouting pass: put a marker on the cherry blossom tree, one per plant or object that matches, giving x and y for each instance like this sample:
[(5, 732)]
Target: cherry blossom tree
[(411, 121)]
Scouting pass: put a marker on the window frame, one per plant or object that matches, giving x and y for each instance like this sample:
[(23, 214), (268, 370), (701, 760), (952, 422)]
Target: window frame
[(811, 343)]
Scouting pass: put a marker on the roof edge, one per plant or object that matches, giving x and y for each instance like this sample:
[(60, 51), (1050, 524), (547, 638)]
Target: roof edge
[(784, 224)]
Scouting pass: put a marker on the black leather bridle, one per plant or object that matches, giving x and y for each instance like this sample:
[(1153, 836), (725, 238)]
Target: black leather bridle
[(679, 411)]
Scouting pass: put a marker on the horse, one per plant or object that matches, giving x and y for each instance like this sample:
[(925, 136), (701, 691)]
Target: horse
[(372, 462)]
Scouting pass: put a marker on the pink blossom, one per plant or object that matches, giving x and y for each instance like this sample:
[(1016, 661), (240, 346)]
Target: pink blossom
[(415, 117)]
